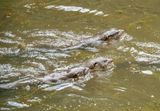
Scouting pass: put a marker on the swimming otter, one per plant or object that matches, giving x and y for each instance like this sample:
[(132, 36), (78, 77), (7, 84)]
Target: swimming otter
[(74, 73), (103, 37)]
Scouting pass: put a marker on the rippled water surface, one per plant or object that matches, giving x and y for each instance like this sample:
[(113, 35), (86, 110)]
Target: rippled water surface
[(35, 33)]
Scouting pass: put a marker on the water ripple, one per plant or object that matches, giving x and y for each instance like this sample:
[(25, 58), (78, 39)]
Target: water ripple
[(147, 52), (76, 9), (148, 45), (144, 52), (17, 104), (9, 51), (9, 34)]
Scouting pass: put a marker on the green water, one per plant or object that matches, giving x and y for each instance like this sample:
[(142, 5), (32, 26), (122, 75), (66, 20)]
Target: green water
[(36, 28)]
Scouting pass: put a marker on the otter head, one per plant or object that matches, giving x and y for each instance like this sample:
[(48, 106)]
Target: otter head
[(112, 34), (101, 63)]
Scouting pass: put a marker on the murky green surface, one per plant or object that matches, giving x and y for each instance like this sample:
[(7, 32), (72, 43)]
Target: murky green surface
[(31, 31)]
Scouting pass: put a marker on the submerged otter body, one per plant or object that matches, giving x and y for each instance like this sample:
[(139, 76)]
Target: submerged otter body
[(74, 73)]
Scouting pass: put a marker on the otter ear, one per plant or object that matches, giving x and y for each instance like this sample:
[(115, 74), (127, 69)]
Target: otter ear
[(93, 65)]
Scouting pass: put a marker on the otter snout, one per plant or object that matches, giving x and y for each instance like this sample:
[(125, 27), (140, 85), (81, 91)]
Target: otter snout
[(112, 34)]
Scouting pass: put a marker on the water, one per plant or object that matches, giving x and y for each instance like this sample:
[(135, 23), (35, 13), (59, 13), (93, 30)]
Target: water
[(32, 31)]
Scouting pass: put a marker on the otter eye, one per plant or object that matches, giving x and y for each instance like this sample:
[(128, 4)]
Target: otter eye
[(95, 64)]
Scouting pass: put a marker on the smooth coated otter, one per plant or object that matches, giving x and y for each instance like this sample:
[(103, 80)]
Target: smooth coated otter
[(103, 37), (74, 73)]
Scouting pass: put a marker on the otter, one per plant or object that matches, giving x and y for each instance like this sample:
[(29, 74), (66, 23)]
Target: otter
[(74, 73), (104, 37), (82, 72)]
